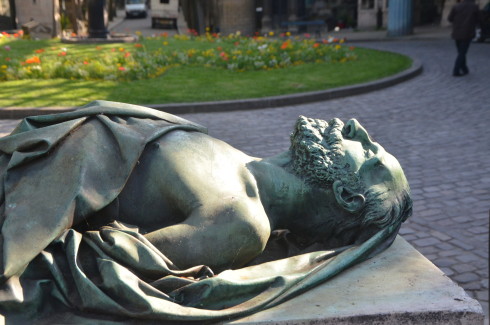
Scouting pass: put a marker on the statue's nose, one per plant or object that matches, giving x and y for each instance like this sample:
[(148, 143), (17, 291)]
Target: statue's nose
[(353, 130)]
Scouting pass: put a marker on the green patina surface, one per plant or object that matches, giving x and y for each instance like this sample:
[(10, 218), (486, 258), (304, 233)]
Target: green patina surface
[(121, 212)]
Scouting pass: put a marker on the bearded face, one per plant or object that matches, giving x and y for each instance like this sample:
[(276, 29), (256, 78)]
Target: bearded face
[(316, 148)]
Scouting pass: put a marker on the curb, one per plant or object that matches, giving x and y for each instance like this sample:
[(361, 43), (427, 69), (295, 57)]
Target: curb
[(246, 104)]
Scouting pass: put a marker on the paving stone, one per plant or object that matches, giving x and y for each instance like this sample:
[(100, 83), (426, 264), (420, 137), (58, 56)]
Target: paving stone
[(444, 262), (466, 277), (482, 295), (426, 242), (440, 235), (462, 245), (462, 268), (478, 230), (470, 286), (467, 257)]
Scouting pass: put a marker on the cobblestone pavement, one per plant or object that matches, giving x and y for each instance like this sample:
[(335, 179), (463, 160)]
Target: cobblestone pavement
[(436, 125)]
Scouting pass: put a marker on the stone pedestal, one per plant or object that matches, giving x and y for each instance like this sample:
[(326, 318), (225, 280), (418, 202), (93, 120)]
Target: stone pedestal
[(399, 286)]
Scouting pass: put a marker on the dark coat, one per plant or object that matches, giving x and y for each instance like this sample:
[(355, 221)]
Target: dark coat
[(464, 17)]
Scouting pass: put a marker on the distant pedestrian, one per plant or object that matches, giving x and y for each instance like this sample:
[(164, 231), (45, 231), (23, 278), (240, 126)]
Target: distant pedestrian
[(464, 17)]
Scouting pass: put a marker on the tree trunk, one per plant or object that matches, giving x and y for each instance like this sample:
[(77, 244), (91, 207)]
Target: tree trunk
[(75, 13), (112, 9)]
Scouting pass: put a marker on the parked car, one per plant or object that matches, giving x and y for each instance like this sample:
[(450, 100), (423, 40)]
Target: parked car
[(164, 13), (136, 8)]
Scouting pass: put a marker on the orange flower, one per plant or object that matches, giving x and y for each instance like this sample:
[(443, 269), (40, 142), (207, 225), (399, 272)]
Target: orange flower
[(63, 53), (219, 48), (138, 45), (85, 62), (39, 51), (122, 69), (127, 54), (34, 59), (316, 45), (8, 59), (285, 45), (73, 34)]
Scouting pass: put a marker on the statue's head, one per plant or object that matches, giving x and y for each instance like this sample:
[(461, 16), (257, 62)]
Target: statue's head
[(367, 183)]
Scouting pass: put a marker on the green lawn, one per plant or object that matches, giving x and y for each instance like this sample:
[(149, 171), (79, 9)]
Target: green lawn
[(191, 83)]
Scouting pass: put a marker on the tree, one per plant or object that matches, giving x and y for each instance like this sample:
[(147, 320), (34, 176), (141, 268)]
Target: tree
[(75, 10)]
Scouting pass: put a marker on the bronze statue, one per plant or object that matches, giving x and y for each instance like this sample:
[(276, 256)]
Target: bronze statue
[(186, 206)]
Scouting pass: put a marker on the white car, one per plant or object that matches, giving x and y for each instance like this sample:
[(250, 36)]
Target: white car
[(136, 8)]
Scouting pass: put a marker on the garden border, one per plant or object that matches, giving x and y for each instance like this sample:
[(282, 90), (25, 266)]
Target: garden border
[(246, 104)]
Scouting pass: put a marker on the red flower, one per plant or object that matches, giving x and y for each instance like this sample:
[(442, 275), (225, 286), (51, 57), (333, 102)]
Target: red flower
[(316, 45), (62, 53), (224, 56), (127, 54), (122, 69), (39, 51)]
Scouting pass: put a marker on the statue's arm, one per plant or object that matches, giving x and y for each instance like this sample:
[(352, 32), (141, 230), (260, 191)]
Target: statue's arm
[(222, 236)]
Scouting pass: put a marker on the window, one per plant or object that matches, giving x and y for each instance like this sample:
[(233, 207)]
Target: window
[(367, 4)]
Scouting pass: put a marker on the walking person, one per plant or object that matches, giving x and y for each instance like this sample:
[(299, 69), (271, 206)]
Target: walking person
[(464, 17)]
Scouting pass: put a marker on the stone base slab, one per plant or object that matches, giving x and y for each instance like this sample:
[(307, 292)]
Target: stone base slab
[(399, 286)]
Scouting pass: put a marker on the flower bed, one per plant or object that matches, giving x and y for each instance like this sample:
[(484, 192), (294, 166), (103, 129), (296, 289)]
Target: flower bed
[(151, 57)]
